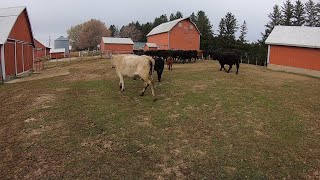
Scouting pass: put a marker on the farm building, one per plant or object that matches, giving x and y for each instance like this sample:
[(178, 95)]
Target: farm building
[(57, 53), (16, 42), (294, 49), (62, 42), (180, 34), (138, 45), (40, 50), (116, 45), (150, 47)]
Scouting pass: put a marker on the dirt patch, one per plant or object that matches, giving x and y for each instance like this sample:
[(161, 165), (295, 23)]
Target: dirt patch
[(49, 73), (43, 100)]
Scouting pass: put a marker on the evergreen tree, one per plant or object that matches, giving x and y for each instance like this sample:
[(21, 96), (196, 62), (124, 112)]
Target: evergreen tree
[(287, 10), (205, 28), (231, 26), (193, 18), (172, 17), (145, 29), (298, 14), (160, 20), (222, 28), (243, 32), (112, 29), (318, 14), (311, 13), (179, 15), (275, 20)]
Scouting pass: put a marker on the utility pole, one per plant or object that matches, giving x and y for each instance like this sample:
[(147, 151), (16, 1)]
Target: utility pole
[(49, 41)]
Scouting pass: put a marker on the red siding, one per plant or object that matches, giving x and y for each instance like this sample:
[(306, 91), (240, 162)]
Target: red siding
[(40, 50), (57, 55), (147, 48), (181, 38), (21, 29), (19, 56), (184, 38), (0, 63), (9, 59), (117, 48), (161, 40), (306, 58)]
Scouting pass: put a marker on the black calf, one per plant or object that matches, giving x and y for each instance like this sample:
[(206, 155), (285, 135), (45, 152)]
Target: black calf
[(159, 66)]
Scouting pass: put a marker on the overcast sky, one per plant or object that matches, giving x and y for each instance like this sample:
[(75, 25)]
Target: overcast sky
[(53, 18)]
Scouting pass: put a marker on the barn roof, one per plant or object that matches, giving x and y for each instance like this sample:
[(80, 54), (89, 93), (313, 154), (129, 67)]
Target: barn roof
[(166, 27), (8, 17), (298, 36), (60, 50), (111, 40), (151, 45)]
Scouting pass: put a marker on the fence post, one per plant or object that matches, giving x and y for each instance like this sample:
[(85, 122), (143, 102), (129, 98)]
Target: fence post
[(256, 61)]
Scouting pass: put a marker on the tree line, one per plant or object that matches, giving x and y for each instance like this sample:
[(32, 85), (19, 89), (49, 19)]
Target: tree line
[(88, 35), (289, 14)]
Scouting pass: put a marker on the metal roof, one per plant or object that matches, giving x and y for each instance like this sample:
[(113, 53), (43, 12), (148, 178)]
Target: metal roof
[(60, 50), (111, 40), (138, 45), (151, 45), (166, 27), (8, 17), (298, 36), (61, 38)]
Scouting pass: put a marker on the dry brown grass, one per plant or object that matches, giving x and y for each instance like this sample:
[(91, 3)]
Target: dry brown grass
[(208, 124)]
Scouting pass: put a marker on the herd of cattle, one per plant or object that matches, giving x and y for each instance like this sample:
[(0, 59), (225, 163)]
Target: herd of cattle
[(143, 64)]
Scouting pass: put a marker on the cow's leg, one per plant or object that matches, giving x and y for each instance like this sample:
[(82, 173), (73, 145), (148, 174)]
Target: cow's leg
[(144, 89), (152, 89), (121, 82), (230, 66), (159, 72), (222, 66), (237, 64)]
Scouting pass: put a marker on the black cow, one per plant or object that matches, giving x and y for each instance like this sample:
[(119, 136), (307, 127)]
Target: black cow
[(229, 58), (159, 66)]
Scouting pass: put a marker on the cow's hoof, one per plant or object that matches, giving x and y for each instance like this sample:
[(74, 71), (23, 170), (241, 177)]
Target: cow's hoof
[(141, 94), (155, 99), (122, 90)]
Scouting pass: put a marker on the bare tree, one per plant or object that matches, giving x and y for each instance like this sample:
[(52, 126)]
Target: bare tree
[(91, 34), (88, 34), (74, 35), (131, 31)]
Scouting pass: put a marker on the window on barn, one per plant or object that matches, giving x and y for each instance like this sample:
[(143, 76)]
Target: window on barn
[(180, 25), (191, 26)]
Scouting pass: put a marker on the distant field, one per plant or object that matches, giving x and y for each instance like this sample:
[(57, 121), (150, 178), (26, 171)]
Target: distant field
[(206, 124)]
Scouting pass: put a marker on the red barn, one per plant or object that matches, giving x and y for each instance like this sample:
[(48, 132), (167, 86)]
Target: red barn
[(294, 49), (16, 42), (116, 45), (40, 50), (57, 53), (150, 47), (180, 34)]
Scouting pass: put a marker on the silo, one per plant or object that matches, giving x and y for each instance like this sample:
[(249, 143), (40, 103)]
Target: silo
[(62, 42)]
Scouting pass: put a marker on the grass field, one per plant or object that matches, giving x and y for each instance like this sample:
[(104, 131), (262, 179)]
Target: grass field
[(206, 124)]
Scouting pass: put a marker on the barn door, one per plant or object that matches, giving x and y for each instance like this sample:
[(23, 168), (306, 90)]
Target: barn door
[(9, 55), (19, 57)]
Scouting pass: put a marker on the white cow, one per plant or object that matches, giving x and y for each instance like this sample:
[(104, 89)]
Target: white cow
[(134, 66)]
